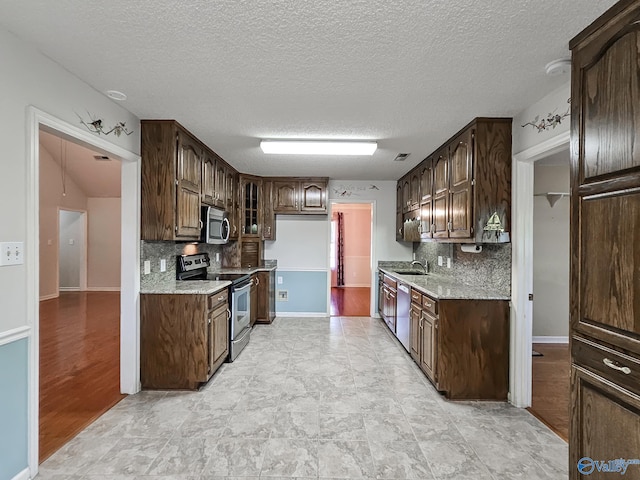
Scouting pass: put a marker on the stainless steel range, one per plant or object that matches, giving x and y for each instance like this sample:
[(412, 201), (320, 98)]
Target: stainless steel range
[(194, 267)]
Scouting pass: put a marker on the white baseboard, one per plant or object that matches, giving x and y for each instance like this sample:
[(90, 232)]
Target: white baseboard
[(23, 475), (103, 289), (49, 297), (69, 289), (302, 314), (550, 339)]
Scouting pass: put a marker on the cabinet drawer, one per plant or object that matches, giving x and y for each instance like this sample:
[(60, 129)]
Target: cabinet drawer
[(430, 304), (218, 299), (390, 281), (610, 364), (416, 297)]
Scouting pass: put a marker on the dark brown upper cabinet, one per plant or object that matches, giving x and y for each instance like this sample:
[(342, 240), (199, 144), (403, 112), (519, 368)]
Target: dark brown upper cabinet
[(269, 222), (171, 182), (231, 193), (460, 185), (208, 179), (426, 198), (465, 186), (440, 214), (300, 195), (251, 206), (220, 196)]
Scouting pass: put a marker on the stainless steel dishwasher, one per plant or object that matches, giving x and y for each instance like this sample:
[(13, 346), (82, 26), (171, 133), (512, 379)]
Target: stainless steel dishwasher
[(403, 307)]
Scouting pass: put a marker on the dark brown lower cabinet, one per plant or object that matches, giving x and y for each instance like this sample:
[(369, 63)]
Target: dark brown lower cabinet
[(266, 311), (183, 339), (254, 299), (462, 346)]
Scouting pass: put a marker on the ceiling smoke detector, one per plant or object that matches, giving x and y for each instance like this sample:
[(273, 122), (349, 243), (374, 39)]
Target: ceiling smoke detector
[(558, 67), (401, 157), (102, 158)]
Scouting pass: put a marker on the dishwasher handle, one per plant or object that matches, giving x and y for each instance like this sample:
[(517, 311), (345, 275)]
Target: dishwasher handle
[(403, 288)]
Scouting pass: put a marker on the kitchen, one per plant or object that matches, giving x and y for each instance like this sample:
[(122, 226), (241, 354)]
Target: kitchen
[(88, 99)]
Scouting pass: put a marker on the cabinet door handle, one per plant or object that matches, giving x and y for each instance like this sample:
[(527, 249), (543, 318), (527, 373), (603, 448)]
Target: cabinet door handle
[(612, 364), (257, 281), (429, 305), (201, 225), (228, 314), (220, 298)]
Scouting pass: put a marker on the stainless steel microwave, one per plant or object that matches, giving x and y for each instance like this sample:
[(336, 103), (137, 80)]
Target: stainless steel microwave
[(215, 225)]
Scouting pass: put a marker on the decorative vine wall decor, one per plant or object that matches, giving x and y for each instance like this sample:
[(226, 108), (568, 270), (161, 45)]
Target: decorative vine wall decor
[(551, 121), (96, 126), (352, 190)]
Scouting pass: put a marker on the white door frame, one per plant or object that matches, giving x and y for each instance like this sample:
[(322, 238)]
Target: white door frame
[(85, 247), (522, 266), (130, 259), (373, 260)]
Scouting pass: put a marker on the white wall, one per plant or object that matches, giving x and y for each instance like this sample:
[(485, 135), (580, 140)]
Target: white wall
[(551, 253), (302, 243), (29, 78), (104, 244), (50, 199), (528, 136)]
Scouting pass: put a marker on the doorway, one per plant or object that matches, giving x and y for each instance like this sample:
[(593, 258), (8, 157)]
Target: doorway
[(550, 349), (72, 247), (350, 259), (79, 311)]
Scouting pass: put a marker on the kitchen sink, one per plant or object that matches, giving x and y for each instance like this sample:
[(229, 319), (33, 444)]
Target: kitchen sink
[(410, 272)]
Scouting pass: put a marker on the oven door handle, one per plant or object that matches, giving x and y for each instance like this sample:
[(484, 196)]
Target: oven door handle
[(237, 290)]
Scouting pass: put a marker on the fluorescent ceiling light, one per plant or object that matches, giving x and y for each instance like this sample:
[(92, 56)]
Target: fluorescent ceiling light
[(317, 147)]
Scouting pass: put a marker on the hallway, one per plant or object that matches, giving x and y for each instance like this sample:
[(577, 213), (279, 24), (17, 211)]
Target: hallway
[(313, 398), (79, 364)]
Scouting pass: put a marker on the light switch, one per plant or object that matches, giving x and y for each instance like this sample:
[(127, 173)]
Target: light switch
[(163, 265), (440, 261), (11, 253), (71, 241), (279, 280), (448, 262), (147, 267), (49, 242), (217, 256)]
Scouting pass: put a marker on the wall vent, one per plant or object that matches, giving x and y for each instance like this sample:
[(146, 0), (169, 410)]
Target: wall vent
[(401, 157)]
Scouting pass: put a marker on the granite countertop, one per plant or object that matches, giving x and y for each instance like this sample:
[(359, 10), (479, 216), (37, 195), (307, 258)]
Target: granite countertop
[(444, 288), (186, 287)]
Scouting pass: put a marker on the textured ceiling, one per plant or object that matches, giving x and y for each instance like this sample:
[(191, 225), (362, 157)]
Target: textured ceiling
[(95, 178), (408, 74)]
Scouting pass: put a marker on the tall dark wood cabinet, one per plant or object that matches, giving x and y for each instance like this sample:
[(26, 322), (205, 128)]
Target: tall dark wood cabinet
[(605, 245)]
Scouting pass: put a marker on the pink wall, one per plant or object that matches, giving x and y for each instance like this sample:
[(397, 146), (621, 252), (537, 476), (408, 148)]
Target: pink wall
[(357, 244)]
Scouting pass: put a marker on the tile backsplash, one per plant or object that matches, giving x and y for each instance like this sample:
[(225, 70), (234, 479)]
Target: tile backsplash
[(155, 251), (491, 267)]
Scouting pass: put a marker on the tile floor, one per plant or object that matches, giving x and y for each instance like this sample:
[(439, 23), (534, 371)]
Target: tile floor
[(328, 398)]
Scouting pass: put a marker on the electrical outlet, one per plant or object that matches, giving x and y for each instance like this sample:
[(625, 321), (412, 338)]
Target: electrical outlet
[(163, 265), (279, 280), (147, 267), (217, 256), (11, 253), (440, 261), (72, 241), (283, 295), (448, 262), (414, 255)]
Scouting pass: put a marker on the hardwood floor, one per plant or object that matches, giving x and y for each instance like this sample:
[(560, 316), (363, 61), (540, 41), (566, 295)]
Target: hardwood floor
[(350, 301), (79, 364), (550, 389)]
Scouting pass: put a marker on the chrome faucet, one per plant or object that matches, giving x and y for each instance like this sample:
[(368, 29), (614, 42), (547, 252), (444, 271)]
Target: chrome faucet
[(425, 267)]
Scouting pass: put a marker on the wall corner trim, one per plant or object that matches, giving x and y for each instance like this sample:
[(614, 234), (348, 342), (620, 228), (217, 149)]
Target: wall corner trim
[(14, 334), (23, 475)]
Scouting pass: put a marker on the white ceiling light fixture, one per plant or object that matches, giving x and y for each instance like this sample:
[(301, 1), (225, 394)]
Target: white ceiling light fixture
[(116, 95), (318, 147)]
